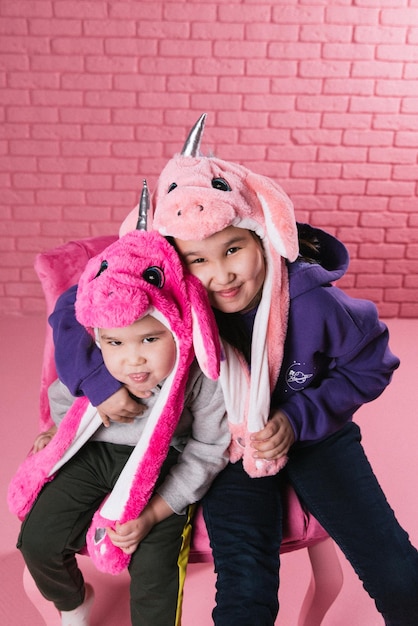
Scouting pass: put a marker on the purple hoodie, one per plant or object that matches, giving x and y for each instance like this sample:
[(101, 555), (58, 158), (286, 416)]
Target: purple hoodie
[(336, 354), (78, 360)]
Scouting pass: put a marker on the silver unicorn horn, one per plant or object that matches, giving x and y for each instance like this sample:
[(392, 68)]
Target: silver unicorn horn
[(192, 144), (143, 208)]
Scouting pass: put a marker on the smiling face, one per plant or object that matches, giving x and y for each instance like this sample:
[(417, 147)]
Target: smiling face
[(141, 355), (231, 266)]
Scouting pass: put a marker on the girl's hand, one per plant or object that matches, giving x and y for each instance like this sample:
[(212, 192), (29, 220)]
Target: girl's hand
[(129, 535), (43, 439), (120, 407), (275, 439)]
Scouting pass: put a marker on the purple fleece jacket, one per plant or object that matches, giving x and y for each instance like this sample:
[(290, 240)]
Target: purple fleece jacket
[(336, 354)]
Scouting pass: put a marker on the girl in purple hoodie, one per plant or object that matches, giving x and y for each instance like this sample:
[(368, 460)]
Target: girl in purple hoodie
[(315, 353)]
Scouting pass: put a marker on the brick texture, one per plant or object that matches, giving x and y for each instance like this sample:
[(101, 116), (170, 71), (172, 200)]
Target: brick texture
[(322, 96)]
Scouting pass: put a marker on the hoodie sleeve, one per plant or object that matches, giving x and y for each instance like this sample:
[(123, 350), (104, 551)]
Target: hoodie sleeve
[(337, 359), (78, 360), (60, 401), (206, 451)]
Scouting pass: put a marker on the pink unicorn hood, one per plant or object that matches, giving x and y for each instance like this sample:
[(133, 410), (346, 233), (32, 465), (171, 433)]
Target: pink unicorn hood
[(198, 196), (142, 274)]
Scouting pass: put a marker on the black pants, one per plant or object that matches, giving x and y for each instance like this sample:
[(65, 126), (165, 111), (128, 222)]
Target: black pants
[(55, 530), (335, 481)]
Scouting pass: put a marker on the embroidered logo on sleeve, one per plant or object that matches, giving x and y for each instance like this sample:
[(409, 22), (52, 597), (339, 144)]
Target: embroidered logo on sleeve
[(297, 376)]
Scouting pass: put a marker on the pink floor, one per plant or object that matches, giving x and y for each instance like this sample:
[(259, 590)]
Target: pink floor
[(390, 436)]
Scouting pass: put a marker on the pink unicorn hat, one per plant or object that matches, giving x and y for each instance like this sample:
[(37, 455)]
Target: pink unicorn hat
[(198, 196)]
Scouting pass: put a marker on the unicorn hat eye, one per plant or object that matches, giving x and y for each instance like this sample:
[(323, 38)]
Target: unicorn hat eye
[(221, 184), (154, 275)]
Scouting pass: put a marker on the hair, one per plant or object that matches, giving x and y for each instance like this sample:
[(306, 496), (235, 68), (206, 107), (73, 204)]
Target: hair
[(309, 246)]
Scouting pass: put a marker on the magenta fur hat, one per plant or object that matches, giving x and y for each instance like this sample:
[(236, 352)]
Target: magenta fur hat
[(138, 275), (198, 196), (142, 274)]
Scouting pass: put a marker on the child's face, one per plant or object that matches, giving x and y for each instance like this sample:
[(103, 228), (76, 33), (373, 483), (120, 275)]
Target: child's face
[(231, 266), (141, 355)]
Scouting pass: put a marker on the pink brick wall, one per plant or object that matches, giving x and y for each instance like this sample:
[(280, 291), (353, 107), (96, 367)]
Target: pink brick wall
[(322, 96)]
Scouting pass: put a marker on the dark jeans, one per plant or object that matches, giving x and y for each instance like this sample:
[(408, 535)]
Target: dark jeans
[(54, 531), (337, 484)]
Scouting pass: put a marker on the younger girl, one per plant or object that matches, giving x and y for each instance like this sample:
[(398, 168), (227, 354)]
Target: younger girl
[(312, 356), (144, 310)]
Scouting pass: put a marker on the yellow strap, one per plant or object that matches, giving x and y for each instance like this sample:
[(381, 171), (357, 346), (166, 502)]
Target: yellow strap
[(183, 559)]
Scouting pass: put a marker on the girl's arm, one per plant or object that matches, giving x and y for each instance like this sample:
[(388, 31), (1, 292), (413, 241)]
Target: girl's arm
[(357, 365), (78, 360)]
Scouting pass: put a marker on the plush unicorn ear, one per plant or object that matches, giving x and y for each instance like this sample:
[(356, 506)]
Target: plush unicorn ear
[(206, 341), (277, 208)]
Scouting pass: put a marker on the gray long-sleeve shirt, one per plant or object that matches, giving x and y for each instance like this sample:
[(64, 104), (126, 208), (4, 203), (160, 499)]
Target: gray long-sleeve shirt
[(202, 436)]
